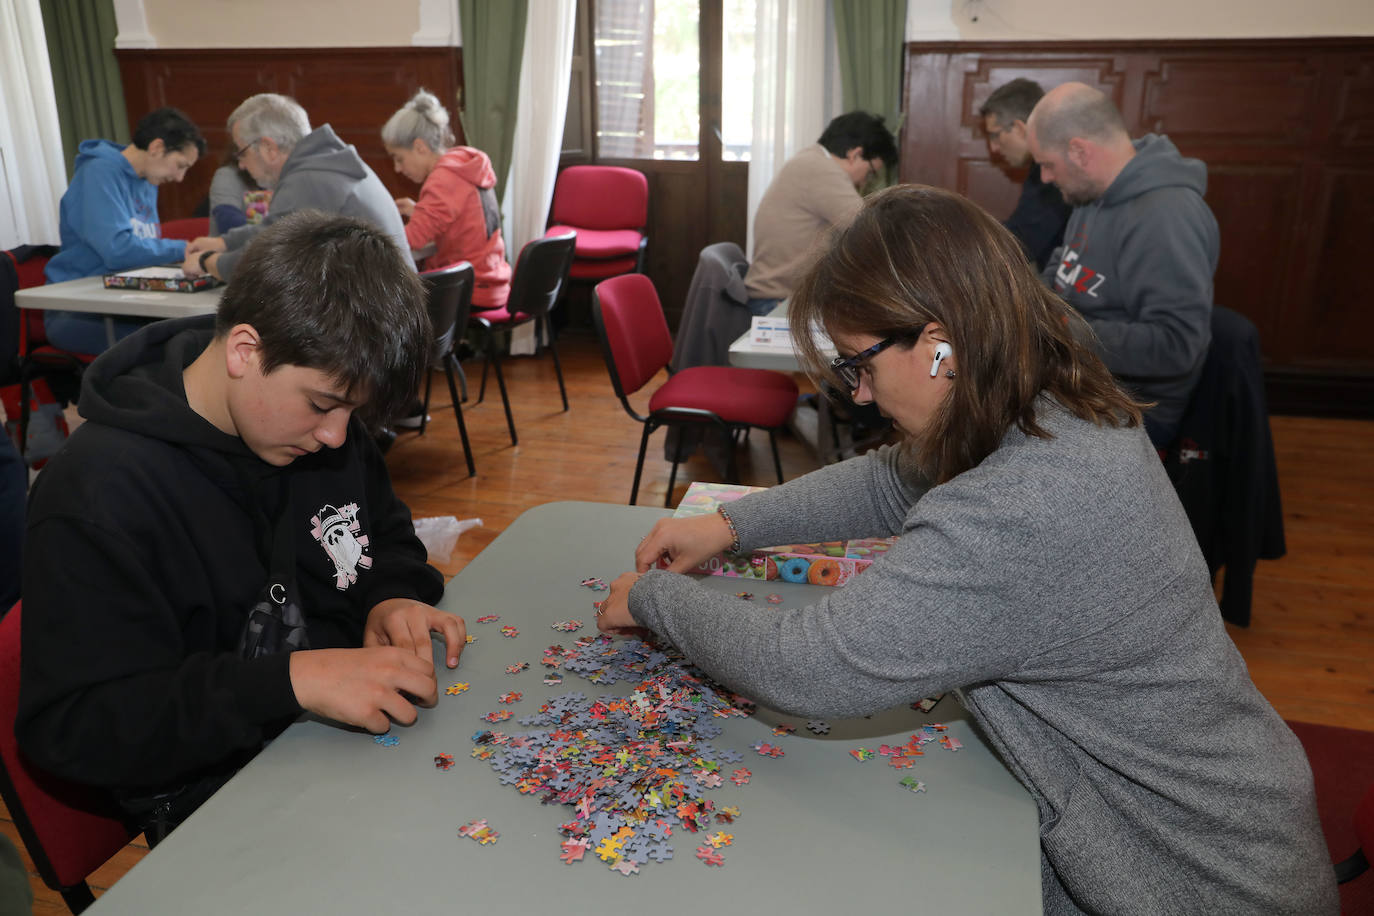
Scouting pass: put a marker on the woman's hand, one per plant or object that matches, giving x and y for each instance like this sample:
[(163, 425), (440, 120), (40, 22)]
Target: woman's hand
[(683, 542), (613, 616)]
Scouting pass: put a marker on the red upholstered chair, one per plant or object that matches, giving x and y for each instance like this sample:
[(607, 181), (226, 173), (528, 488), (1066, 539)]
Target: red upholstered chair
[(193, 227), (608, 207), (66, 832), (36, 357), (637, 346), (538, 279)]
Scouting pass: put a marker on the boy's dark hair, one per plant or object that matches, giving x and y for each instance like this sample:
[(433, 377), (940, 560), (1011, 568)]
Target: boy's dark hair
[(174, 129), (861, 129), (334, 294), (1012, 101)]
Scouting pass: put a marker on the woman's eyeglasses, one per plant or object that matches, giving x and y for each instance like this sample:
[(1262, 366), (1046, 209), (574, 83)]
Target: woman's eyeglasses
[(847, 367)]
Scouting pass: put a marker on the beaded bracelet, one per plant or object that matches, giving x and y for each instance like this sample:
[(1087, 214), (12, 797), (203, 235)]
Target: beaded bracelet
[(734, 535)]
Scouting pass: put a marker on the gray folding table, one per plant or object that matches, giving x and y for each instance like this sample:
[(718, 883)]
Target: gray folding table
[(326, 820)]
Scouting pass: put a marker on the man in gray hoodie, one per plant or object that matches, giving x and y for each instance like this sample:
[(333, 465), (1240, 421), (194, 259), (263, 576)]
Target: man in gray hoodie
[(1140, 248), (305, 169)]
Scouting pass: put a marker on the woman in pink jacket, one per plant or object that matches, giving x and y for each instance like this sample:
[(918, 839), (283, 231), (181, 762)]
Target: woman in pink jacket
[(457, 212)]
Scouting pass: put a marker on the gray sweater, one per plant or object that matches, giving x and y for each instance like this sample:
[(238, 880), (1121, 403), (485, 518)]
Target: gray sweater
[(1060, 586)]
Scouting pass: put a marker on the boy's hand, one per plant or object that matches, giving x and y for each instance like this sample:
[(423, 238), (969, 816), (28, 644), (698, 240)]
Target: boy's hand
[(407, 624), (363, 687)]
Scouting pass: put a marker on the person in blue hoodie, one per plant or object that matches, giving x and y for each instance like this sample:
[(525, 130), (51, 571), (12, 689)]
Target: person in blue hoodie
[(1140, 249), (109, 217)]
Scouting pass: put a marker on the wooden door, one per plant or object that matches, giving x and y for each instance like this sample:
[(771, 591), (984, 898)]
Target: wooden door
[(696, 196)]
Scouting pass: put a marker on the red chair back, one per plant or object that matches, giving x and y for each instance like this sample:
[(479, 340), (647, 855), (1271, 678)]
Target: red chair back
[(30, 271), (65, 832), (193, 227), (1364, 822), (634, 334), (600, 197)]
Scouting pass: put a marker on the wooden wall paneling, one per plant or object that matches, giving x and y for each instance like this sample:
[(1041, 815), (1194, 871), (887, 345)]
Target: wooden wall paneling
[(1286, 127), (678, 229), (1340, 326), (1352, 129), (1204, 99), (353, 89), (929, 140), (1261, 203)]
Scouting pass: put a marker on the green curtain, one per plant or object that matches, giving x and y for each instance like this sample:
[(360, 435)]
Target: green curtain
[(90, 96), (871, 38), (493, 43)]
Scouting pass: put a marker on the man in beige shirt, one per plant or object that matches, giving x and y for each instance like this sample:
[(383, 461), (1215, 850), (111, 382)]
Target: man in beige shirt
[(816, 192)]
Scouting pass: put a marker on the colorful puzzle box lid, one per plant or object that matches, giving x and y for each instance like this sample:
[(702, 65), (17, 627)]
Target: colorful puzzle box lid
[(159, 279), (702, 498), (831, 563)]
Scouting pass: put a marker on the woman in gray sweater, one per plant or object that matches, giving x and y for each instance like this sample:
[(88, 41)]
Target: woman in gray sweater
[(1044, 569)]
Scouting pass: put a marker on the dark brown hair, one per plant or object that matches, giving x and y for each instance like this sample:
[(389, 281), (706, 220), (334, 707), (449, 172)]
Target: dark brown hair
[(1012, 101), (917, 254), (334, 294)]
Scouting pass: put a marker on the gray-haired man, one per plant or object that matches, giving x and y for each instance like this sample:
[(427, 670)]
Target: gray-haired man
[(306, 170)]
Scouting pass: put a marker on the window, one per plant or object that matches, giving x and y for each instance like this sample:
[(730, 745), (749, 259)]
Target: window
[(648, 64), (737, 76)]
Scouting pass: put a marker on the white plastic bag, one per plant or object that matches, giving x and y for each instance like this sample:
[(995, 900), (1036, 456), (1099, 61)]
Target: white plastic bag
[(440, 534)]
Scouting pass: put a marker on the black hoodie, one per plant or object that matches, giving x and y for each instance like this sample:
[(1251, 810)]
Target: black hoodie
[(148, 538)]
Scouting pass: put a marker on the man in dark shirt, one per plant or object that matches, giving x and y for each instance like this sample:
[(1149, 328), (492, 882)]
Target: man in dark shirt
[(1041, 214)]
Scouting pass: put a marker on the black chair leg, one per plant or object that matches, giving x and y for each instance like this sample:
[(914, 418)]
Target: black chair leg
[(78, 897), (462, 379), (732, 461), (458, 413), (672, 473), (25, 391), (487, 346), (639, 465), (424, 408), (557, 365), (495, 360), (777, 462)]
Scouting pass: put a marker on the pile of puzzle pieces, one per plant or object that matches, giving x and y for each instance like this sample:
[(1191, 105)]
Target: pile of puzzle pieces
[(633, 769)]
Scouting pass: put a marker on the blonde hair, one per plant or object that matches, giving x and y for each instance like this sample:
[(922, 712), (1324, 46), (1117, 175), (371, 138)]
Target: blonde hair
[(917, 254), (422, 118)]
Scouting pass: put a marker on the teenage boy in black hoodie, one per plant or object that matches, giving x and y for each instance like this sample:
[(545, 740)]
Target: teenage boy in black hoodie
[(218, 547)]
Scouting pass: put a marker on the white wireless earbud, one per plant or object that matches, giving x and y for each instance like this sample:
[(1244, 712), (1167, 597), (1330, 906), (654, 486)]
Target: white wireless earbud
[(942, 351)]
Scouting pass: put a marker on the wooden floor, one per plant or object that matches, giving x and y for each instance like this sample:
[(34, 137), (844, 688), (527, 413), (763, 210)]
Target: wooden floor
[(1310, 648)]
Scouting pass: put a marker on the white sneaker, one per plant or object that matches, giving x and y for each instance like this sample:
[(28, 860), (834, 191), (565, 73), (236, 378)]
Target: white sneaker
[(412, 422)]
